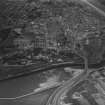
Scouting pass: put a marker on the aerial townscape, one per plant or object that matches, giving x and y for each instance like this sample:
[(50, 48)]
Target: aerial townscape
[(52, 52)]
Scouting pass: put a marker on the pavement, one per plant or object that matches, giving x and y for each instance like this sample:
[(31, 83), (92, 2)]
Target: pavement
[(10, 72)]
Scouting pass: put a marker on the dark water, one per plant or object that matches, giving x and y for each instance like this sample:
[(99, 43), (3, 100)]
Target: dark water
[(36, 99), (20, 86), (26, 84), (16, 87)]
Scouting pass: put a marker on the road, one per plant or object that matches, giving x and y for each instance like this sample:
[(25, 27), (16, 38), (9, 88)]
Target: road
[(18, 71), (96, 5), (56, 96)]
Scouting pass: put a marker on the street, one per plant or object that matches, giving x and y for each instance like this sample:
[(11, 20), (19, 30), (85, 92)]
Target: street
[(55, 97)]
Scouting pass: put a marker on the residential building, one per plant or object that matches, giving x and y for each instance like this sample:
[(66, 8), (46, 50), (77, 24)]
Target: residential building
[(23, 43), (40, 43)]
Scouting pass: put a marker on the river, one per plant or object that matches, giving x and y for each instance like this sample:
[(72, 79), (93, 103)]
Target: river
[(25, 85)]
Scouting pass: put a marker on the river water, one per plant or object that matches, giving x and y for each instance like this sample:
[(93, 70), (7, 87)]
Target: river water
[(27, 84)]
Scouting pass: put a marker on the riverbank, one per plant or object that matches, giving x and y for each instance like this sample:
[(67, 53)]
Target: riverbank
[(10, 72)]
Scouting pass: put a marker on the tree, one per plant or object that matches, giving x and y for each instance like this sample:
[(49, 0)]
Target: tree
[(79, 49), (11, 12), (83, 35), (90, 48)]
